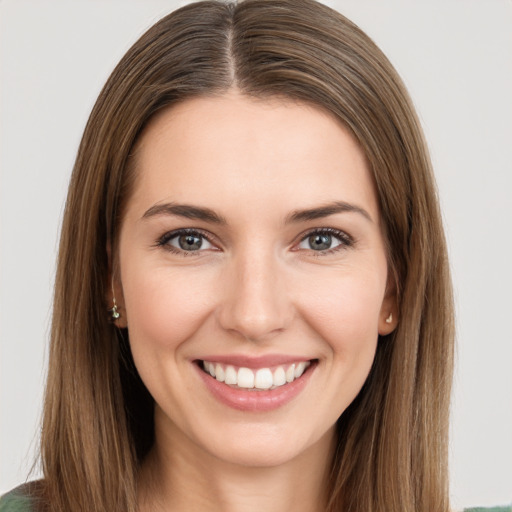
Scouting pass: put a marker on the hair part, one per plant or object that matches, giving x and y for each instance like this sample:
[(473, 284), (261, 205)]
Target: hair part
[(97, 425)]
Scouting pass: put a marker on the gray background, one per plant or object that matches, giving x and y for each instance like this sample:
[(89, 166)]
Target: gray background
[(456, 58)]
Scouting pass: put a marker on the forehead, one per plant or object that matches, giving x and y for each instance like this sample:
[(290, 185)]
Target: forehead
[(219, 151)]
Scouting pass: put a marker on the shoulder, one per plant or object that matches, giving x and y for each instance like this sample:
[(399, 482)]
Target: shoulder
[(20, 499), (492, 509), (15, 502)]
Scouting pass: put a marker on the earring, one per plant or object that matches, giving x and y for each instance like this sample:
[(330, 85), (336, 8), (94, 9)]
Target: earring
[(115, 314), (389, 319)]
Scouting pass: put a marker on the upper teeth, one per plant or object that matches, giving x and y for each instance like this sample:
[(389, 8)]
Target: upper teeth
[(263, 378)]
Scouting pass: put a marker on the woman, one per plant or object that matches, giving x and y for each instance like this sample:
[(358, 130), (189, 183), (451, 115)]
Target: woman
[(253, 307)]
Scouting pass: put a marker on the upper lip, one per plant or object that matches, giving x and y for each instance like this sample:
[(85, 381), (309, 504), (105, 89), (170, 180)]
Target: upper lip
[(263, 361)]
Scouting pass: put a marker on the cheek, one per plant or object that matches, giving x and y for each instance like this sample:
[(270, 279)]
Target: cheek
[(164, 307), (344, 319), (346, 313)]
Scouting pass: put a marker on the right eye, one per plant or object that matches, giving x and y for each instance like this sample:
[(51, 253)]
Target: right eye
[(185, 241)]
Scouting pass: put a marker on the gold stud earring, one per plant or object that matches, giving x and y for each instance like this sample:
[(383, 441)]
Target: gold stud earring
[(389, 319)]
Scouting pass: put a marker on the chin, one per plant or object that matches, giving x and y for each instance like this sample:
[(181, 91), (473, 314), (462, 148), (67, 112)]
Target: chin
[(265, 446)]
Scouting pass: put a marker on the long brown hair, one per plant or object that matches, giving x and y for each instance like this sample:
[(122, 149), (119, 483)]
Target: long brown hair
[(97, 426)]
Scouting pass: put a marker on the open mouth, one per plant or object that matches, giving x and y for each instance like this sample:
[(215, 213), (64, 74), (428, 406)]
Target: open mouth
[(257, 379)]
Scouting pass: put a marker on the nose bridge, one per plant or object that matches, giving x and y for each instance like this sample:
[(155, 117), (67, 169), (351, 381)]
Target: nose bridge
[(256, 303)]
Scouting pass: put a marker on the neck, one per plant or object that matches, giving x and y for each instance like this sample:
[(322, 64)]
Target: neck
[(179, 475)]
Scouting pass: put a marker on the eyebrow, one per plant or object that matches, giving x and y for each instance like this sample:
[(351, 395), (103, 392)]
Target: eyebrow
[(325, 211), (208, 215), (185, 210)]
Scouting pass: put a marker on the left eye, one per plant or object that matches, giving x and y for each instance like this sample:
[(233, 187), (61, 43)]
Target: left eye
[(188, 242), (322, 241)]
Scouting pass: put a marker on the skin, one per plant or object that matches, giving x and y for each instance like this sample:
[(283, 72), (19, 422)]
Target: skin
[(255, 287)]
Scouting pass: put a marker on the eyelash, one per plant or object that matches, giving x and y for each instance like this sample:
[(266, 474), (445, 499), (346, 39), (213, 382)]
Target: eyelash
[(164, 240), (346, 241)]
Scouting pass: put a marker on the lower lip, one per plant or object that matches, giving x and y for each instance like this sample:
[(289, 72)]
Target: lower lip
[(256, 401)]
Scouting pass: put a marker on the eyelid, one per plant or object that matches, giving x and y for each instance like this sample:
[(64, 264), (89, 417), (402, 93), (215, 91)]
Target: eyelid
[(162, 241), (346, 240)]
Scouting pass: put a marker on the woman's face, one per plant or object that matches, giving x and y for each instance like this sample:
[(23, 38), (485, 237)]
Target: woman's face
[(253, 275)]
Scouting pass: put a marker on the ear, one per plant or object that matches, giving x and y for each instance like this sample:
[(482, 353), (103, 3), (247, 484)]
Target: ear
[(114, 293), (388, 316)]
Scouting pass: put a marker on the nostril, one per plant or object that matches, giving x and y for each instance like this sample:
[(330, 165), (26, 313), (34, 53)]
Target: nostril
[(256, 304)]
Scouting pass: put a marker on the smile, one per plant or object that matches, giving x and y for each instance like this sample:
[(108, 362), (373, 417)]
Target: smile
[(256, 385), (255, 379)]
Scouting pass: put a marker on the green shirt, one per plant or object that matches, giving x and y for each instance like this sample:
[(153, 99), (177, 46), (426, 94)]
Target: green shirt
[(16, 501)]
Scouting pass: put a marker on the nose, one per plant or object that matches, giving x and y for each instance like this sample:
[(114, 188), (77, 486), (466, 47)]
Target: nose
[(256, 304)]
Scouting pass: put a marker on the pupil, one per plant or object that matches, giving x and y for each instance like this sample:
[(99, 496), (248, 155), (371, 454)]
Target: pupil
[(320, 242), (190, 242)]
